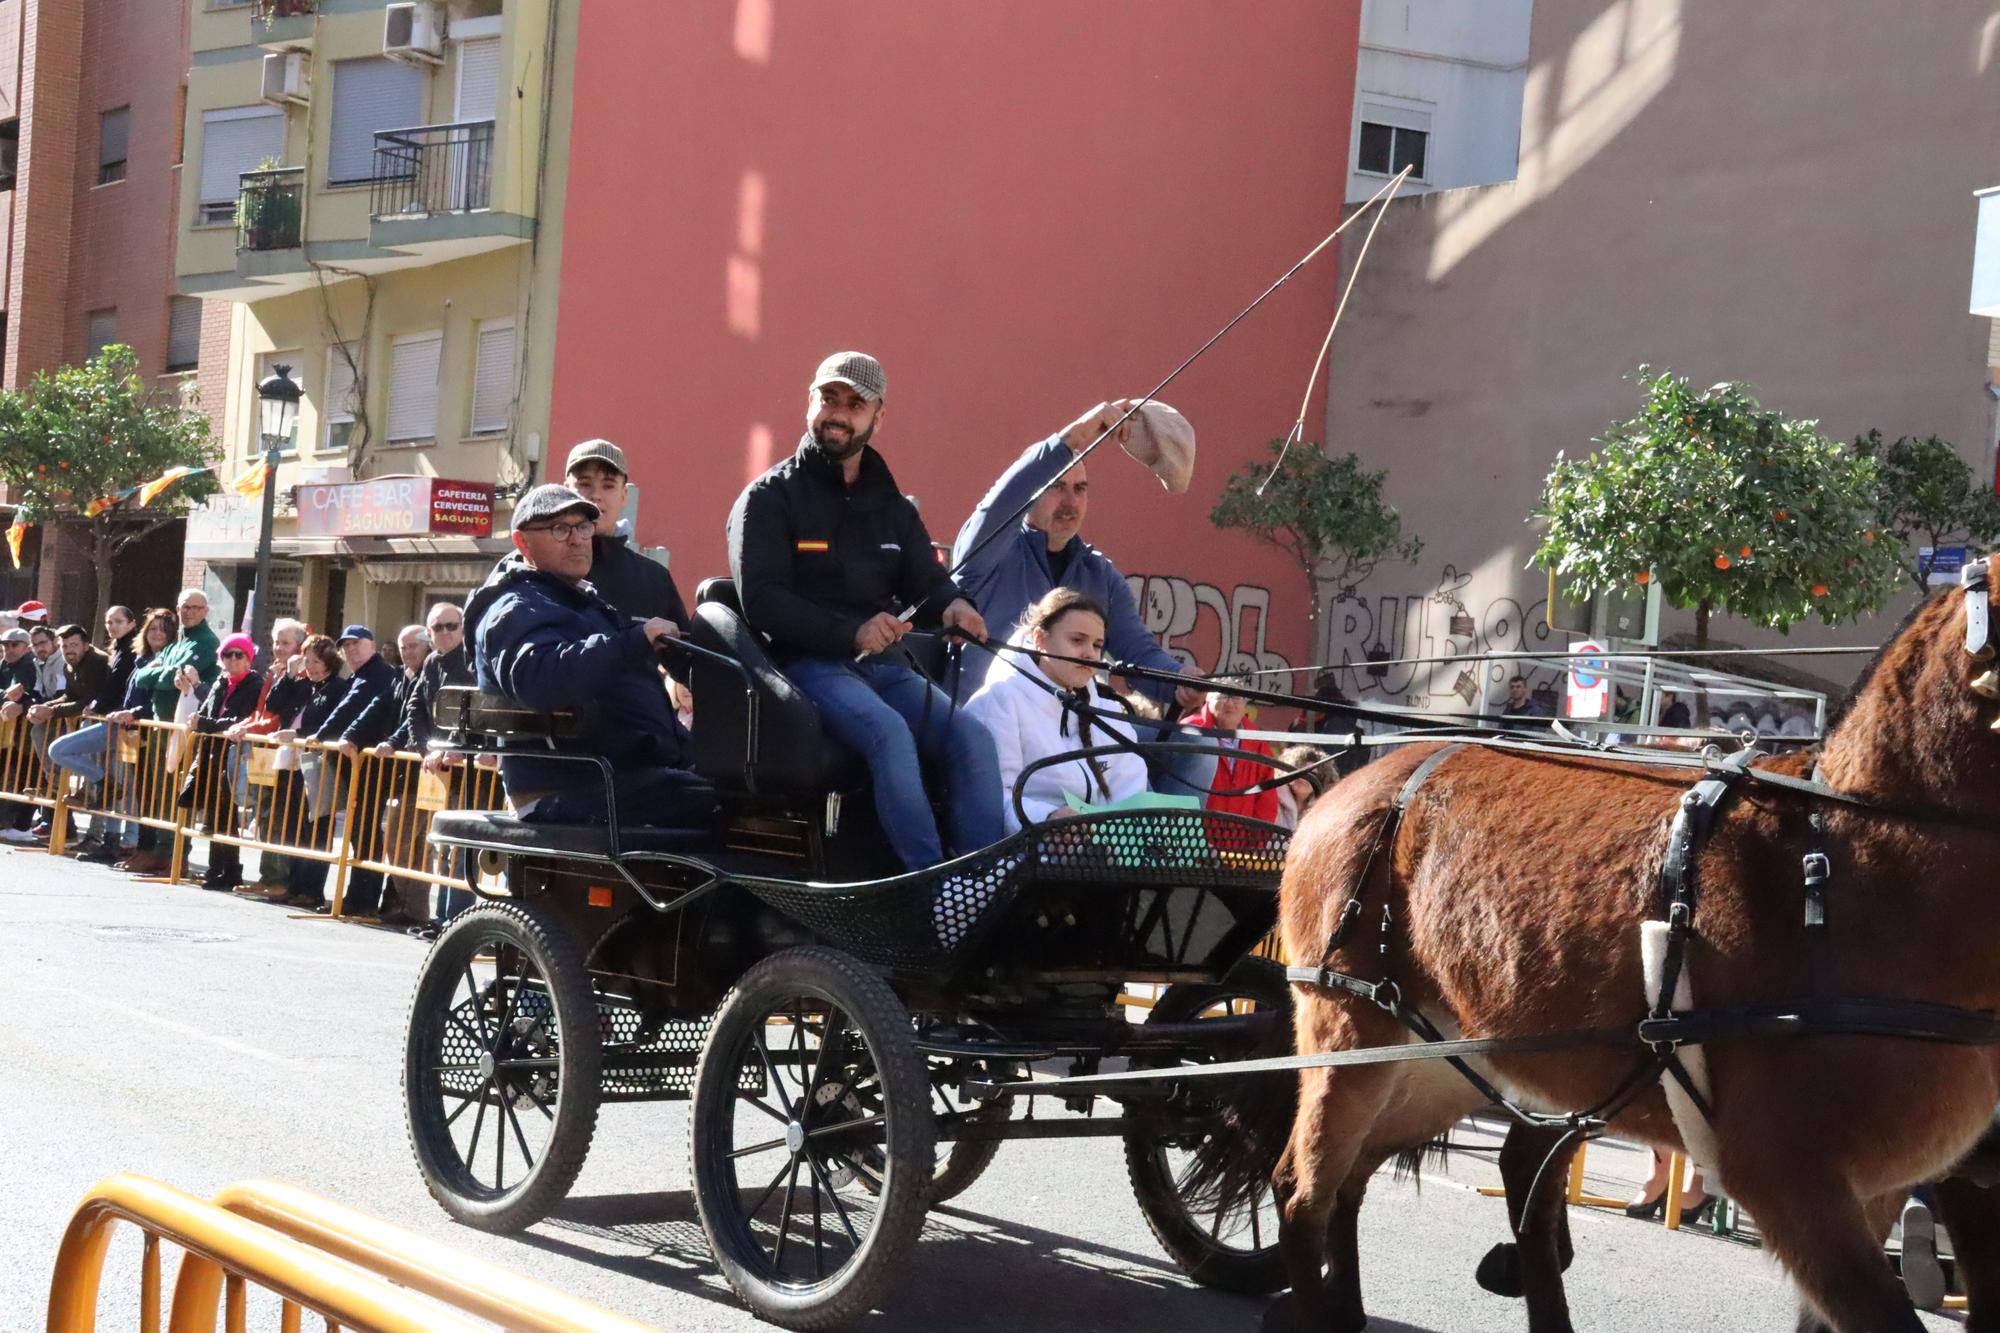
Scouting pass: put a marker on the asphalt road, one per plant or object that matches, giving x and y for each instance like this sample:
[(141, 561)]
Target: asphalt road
[(202, 1039)]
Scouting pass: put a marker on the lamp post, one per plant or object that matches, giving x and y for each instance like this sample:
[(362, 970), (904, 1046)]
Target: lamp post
[(278, 397)]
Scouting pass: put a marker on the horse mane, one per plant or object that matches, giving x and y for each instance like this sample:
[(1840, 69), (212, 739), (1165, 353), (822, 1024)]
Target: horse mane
[(1868, 671)]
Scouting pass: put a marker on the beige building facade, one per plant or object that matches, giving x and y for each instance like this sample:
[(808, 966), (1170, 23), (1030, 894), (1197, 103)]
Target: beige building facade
[(1780, 193), (376, 188)]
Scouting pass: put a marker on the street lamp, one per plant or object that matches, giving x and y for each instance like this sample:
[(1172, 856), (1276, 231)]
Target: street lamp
[(278, 397)]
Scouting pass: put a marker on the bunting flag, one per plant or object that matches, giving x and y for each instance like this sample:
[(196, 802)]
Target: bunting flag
[(15, 533), (151, 490), (251, 483)]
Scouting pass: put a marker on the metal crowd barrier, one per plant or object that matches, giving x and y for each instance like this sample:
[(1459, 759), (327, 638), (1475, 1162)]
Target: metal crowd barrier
[(301, 800), (305, 1253)]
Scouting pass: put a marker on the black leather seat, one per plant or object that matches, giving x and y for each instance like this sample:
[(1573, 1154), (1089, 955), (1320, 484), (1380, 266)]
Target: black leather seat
[(767, 737), (493, 829)]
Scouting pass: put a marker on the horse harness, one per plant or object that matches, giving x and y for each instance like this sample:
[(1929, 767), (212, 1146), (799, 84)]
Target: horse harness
[(1661, 1034)]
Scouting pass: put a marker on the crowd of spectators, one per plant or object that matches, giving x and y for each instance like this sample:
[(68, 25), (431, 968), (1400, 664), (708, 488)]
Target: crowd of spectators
[(272, 736)]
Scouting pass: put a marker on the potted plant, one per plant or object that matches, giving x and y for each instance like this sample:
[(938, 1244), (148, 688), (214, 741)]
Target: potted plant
[(267, 214)]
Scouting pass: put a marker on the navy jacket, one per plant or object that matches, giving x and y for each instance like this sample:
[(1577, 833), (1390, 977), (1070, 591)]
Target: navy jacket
[(376, 680), (303, 706), (548, 644), (124, 655), (814, 558), (414, 732), (1012, 573)]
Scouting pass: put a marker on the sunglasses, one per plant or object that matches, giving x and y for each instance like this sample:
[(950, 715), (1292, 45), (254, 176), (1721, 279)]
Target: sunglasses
[(445, 627), (235, 652)]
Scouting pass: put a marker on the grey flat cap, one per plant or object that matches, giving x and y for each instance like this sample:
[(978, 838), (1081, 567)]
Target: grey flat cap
[(858, 371), (16, 635), (602, 451), (546, 501)]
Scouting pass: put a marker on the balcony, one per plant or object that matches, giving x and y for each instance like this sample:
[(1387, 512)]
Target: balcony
[(284, 25), (431, 193), (269, 207)]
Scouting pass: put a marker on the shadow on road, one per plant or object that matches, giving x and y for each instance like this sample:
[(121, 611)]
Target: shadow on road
[(970, 1272)]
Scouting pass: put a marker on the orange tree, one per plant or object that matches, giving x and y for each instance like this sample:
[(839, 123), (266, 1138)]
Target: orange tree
[(1731, 506), (1926, 496), (85, 434)]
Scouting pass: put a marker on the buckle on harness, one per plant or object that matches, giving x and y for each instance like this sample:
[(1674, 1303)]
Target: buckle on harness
[(1392, 991), (1350, 912), (1661, 1034), (1818, 869)]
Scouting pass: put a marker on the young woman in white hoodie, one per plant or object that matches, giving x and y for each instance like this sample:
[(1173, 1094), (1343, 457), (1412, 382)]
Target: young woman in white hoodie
[(1032, 707)]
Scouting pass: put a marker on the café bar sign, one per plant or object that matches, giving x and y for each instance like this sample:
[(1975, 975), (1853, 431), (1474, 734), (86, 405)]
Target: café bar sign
[(396, 507)]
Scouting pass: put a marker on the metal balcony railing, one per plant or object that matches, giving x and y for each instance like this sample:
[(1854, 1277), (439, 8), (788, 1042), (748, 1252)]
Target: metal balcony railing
[(269, 205), (433, 169)]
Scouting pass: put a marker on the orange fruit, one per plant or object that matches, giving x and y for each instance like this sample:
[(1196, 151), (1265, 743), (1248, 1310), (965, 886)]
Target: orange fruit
[(1722, 562), (1782, 516), (1644, 576), (1819, 590), (1745, 553), (1868, 537)]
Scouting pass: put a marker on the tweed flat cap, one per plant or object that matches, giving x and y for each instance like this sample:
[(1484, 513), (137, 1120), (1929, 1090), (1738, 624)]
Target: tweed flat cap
[(546, 501), (858, 371), (601, 451)]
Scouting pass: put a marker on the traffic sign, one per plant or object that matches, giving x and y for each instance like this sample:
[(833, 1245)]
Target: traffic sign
[(1589, 682)]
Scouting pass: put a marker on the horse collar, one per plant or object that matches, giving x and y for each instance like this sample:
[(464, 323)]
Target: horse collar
[(1974, 580)]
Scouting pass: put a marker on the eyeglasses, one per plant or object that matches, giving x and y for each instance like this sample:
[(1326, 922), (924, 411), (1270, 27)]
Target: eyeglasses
[(445, 627), (567, 532)]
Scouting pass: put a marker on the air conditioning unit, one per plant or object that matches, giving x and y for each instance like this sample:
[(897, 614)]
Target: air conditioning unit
[(413, 32), (287, 76)]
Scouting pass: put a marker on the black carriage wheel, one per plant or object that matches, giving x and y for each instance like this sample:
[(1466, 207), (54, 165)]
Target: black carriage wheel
[(960, 1162), (501, 1065), (808, 1086), (1234, 1249)]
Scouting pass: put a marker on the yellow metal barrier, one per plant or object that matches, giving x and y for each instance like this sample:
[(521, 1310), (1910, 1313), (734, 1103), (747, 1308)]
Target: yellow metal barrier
[(144, 763), (26, 776), (293, 799), (389, 829), (223, 1254), (464, 1283)]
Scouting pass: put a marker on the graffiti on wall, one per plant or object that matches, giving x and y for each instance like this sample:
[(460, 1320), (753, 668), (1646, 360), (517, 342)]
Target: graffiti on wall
[(1366, 635), (1206, 628)]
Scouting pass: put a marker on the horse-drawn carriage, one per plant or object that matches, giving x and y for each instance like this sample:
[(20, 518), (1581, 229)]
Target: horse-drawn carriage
[(843, 1032)]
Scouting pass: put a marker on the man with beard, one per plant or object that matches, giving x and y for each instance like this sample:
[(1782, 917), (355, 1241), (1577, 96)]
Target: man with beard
[(824, 549)]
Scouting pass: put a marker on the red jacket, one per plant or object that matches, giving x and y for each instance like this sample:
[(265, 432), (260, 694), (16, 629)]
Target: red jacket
[(1234, 774)]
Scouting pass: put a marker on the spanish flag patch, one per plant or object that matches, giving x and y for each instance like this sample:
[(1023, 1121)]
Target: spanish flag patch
[(816, 546)]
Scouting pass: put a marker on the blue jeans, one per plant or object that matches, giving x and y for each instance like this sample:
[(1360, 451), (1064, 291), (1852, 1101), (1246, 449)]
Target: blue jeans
[(892, 716), (84, 753)]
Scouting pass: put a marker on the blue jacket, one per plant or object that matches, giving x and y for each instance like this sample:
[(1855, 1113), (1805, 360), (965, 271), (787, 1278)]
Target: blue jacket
[(548, 644), (376, 680), (1012, 574)]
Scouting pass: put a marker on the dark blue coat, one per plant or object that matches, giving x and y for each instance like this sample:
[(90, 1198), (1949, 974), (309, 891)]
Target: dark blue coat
[(548, 644)]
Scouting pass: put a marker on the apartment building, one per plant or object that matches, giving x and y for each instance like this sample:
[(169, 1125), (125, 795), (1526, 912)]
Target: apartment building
[(374, 189), (90, 154), (1780, 193)]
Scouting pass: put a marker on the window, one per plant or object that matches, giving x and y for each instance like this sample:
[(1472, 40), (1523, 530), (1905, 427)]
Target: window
[(267, 365), (493, 378), (113, 129), (413, 388), (369, 96), (10, 149), (183, 333), (340, 404), (234, 141), (100, 332), (1393, 137)]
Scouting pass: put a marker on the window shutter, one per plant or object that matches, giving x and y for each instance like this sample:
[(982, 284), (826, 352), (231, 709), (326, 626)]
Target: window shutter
[(493, 378), (478, 79), (101, 332), (113, 130), (235, 141), (369, 95), (339, 404), (413, 387), (183, 333)]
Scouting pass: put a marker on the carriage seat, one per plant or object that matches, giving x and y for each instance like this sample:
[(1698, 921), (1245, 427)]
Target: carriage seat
[(766, 738), (497, 829), (478, 719)]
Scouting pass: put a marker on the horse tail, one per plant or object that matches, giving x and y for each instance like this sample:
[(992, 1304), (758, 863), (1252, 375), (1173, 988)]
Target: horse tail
[(1235, 1163), (1410, 1162)]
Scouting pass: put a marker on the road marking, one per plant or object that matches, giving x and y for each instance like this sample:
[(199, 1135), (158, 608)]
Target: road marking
[(241, 1048)]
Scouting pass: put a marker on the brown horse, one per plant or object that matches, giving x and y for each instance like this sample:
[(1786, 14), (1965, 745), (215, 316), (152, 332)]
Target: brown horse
[(1513, 891)]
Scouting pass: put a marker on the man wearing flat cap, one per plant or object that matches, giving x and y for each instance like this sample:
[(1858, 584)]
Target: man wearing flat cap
[(638, 586), (542, 635), (826, 551), (1009, 572)]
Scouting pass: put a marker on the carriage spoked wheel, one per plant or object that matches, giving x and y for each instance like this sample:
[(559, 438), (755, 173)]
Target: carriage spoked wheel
[(813, 1186), (501, 1065), (1232, 1248)]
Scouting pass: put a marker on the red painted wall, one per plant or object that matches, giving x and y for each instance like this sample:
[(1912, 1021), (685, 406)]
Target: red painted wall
[(1022, 209)]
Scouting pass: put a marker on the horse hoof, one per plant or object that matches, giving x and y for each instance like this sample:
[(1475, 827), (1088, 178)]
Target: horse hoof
[(1500, 1271)]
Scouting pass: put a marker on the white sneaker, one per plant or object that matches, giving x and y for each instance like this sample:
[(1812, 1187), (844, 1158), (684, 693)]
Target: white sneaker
[(17, 835), (1923, 1277)]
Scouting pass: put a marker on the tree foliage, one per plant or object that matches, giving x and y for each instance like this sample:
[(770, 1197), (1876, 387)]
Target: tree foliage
[(1926, 495), (1326, 512), (88, 432), (1730, 505)]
